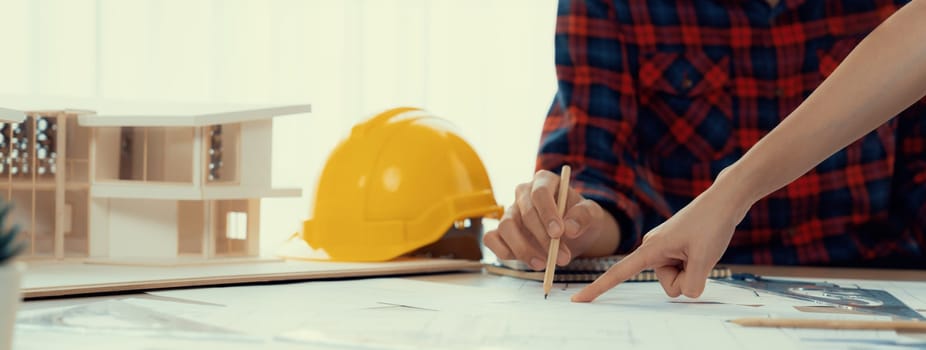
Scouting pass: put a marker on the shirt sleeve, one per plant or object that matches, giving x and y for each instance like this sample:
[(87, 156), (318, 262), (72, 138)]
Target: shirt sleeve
[(590, 123)]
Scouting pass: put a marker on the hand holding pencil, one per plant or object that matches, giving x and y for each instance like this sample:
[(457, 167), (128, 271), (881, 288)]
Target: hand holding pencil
[(526, 230)]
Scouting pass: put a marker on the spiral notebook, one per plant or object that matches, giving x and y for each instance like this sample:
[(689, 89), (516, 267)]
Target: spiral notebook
[(581, 270)]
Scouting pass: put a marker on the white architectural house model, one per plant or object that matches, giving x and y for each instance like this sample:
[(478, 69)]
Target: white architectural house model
[(109, 181)]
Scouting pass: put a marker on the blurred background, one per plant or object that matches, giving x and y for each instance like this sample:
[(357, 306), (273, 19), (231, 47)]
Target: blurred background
[(486, 65)]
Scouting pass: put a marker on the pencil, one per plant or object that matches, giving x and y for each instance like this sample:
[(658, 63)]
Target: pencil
[(554, 243), (910, 326)]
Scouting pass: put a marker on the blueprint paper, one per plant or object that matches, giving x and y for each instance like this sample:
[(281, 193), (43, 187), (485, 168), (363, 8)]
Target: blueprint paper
[(496, 313)]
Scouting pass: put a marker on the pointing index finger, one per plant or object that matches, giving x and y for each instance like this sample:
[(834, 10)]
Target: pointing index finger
[(628, 267)]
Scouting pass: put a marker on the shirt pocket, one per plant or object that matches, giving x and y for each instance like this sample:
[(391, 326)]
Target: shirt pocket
[(685, 106)]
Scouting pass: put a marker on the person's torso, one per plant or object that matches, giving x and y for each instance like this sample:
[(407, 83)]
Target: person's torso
[(713, 77)]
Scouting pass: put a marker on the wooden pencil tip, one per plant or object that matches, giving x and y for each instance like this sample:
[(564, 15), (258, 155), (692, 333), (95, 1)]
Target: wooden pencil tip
[(545, 297)]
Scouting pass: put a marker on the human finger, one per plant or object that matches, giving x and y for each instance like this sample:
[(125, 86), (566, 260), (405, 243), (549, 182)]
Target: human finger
[(528, 218), (580, 217), (695, 276), (521, 244), (668, 278), (494, 242), (628, 267), (543, 199)]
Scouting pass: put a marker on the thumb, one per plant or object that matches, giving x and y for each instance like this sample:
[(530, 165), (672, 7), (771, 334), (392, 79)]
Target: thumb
[(579, 217)]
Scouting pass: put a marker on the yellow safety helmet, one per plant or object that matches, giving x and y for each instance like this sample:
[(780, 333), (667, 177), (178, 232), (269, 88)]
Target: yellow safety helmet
[(397, 183)]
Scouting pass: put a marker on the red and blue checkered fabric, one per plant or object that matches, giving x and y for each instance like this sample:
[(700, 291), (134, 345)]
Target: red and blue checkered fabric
[(655, 98)]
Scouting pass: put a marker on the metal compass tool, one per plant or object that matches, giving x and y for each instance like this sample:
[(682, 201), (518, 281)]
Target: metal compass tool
[(872, 301)]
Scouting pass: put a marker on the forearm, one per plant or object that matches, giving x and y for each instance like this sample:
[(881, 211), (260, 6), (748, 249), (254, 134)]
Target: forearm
[(883, 75)]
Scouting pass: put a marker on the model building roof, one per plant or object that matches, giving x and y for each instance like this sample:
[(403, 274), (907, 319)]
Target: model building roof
[(103, 113), (11, 115)]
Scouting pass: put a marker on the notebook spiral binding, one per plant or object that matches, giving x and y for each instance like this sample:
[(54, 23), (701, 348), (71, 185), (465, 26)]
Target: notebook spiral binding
[(583, 270)]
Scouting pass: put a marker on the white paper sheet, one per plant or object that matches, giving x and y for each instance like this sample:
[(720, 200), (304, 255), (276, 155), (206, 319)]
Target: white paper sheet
[(400, 313)]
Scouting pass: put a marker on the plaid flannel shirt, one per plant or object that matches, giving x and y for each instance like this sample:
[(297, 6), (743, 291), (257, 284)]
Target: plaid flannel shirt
[(655, 98)]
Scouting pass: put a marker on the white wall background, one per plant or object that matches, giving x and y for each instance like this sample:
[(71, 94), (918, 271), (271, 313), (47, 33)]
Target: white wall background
[(487, 65)]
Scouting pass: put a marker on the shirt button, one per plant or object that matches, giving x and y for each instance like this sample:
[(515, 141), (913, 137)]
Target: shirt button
[(779, 92), (789, 232), (687, 83)]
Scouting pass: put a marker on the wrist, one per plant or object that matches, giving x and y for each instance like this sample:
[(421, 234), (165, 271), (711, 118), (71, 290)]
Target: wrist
[(733, 191), (608, 239)]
